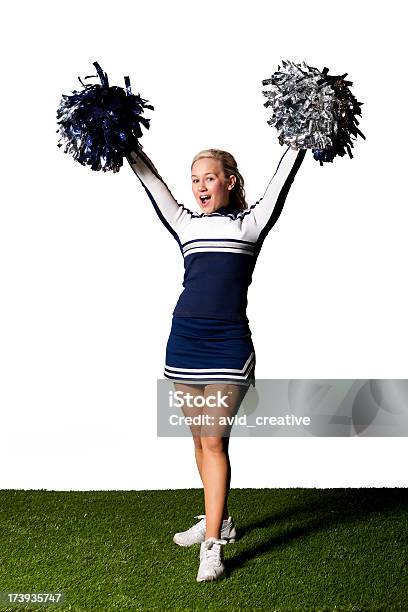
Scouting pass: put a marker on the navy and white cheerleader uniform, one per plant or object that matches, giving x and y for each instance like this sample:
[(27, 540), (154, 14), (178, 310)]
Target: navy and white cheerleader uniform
[(210, 339)]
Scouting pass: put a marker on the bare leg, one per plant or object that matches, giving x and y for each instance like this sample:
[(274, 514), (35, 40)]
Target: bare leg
[(194, 390), (225, 441), (216, 468)]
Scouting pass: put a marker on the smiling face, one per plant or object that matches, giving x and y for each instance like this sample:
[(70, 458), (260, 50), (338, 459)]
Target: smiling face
[(208, 179)]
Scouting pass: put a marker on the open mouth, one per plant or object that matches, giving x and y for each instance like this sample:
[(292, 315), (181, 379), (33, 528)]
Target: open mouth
[(205, 199)]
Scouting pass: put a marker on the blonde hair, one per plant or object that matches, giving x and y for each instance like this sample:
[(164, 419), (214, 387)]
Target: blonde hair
[(229, 167)]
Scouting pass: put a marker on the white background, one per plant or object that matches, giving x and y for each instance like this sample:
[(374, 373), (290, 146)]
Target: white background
[(89, 275)]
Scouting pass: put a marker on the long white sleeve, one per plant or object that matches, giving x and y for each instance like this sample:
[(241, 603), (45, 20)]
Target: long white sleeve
[(172, 214), (268, 209)]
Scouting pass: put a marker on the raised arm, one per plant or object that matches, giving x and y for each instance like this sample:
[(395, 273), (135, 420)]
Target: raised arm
[(170, 212), (268, 209)]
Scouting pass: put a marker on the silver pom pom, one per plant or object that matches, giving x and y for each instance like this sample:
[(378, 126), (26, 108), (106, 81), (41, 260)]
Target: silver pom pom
[(312, 110)]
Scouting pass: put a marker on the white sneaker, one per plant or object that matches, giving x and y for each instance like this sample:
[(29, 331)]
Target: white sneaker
[(211, 560), (196, 533)]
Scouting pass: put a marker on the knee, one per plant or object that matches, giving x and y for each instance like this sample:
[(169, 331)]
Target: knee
[(197, 443), (212, 444)]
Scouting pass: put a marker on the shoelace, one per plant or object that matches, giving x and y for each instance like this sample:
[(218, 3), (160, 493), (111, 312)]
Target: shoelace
[(213, 553), (201, 525)]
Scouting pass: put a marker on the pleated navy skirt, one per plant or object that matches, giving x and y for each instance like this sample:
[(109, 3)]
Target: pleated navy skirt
[(205, 351)]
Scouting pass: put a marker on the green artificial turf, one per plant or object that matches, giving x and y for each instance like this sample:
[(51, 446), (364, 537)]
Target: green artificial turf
[(298, 550)]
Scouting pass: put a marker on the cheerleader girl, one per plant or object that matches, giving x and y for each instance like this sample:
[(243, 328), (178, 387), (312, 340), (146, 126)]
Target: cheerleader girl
[(210, 349)]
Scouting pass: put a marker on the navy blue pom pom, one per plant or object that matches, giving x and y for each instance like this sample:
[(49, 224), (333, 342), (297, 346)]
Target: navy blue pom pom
[(99, 125)]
